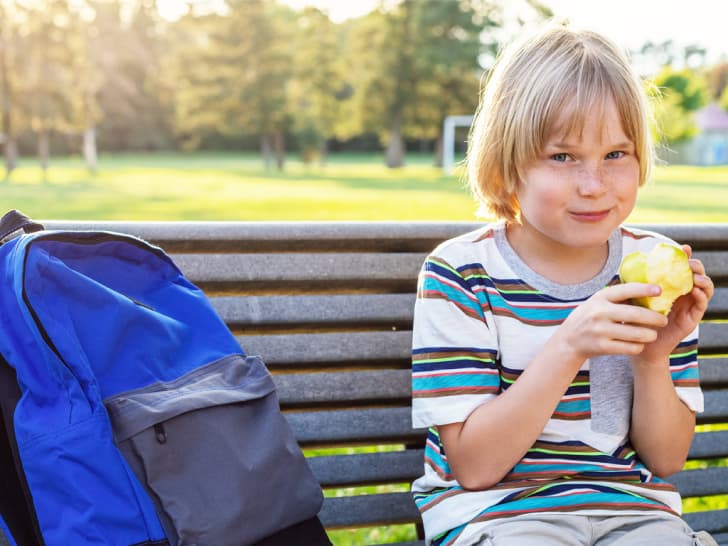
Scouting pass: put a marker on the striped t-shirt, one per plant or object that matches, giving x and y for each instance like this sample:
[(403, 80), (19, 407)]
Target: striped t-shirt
[(481, 316)]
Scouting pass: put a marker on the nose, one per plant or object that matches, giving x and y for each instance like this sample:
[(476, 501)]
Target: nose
[(591, 180)]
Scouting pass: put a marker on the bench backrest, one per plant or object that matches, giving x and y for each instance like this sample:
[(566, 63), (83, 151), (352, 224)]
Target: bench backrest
[(329, 307)]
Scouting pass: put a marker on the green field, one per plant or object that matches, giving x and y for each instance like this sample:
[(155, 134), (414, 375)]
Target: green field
[(236, 187), (350, 187)]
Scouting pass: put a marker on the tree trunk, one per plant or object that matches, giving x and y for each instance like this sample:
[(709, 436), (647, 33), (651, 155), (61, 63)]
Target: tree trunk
[(324, 152), (395, 147), (438, 150), (279, 149), (266, 150), (43, 150), (11, 154), (89, 149), (10, 148)]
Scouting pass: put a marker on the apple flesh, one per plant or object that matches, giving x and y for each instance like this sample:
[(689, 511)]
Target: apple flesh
[(665, 265)]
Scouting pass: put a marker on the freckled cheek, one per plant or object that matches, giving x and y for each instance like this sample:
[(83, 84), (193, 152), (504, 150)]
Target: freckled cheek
[(542, 200), (625, 179)]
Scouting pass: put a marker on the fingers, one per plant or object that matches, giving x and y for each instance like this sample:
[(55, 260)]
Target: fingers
[(701, 280), (703, 289), (631, 290)]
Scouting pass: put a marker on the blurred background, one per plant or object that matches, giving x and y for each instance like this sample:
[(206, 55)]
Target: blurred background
[(314, 110)]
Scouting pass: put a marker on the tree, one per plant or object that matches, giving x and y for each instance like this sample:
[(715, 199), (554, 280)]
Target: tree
[(319, 87), (672, 122), (384, 74), (451, 37), (717, 79), (52, 52), (690, 87), (128, 47), (233, 77), (9, 96)]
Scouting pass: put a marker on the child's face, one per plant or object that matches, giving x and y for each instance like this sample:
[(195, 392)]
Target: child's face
[(582, 186)]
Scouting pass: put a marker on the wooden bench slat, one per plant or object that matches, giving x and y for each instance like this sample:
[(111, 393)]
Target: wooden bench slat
[(317, 268), (700, 236), (337, 347), (380, 509), (405, 466), (718, 305), (274, 236), (713, 371), (701, 482), (264, 267), (712, 444), (716, 407), (368, 468), (713, 521), (321, 267), (361, 426), (715, 262), (353, 309), (713, 337), (350, 387)]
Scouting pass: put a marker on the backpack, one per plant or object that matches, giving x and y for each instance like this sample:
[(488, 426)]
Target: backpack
[(6, 539), (130, 413)]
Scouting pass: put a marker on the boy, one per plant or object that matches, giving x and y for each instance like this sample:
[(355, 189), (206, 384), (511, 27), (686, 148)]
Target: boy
[(554, 406)]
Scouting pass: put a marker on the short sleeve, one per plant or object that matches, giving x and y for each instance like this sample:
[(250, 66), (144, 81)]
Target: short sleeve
[(454, 345), (685, 373)]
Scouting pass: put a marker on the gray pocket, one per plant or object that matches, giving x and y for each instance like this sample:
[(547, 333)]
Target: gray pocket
[(610, 391), (216, 455)]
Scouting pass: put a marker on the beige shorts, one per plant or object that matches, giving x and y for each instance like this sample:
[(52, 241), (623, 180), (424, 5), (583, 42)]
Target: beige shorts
[(649, 529)]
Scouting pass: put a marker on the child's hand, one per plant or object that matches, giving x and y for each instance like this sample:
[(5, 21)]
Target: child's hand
[(684, 316), (607, 324)]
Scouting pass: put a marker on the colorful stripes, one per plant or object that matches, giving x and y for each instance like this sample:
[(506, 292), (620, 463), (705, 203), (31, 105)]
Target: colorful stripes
[(473, 337)]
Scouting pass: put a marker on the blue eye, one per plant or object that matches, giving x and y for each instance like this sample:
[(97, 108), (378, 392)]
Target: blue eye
[(614, 155), (560, 157)]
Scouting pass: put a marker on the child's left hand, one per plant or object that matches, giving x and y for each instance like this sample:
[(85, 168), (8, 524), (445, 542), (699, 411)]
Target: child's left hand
[(684, 316)]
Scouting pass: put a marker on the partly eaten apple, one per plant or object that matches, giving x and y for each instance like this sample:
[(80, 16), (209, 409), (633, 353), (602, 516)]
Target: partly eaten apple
[(665, 265)]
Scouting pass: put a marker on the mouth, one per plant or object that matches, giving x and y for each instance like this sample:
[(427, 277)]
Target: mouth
[(590, 215)]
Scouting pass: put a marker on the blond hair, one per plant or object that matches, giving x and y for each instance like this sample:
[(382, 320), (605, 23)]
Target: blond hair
[(534, 83)]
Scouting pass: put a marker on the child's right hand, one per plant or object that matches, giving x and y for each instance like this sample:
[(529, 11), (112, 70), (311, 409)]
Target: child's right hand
[(608, 324)]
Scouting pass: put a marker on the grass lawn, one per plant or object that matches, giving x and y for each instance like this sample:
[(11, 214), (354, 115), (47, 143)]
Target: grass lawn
[(220, 186)]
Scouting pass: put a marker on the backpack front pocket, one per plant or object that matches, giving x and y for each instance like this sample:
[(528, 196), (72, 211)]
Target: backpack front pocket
[(216, 455)]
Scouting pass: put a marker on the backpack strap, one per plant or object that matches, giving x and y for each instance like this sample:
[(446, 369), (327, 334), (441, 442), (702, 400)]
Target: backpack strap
[(17, 514), (15, 220)]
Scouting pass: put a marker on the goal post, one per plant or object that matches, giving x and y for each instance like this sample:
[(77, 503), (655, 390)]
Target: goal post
[(448, 140)]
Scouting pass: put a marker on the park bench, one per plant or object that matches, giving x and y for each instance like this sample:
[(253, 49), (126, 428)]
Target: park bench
[(329, 307)]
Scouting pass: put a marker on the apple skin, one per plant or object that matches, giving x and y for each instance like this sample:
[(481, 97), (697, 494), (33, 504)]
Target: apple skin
[(665, 265)]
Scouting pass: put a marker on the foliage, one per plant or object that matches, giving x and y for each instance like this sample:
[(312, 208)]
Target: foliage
[(672, 123), (419, 62), (717, 80), (232, 73), (676, 95), (259, 73), (724, 99), (689, 86), (319, 86)]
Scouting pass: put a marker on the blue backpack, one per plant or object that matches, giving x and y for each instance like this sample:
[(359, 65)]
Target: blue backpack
[(131, 415)]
